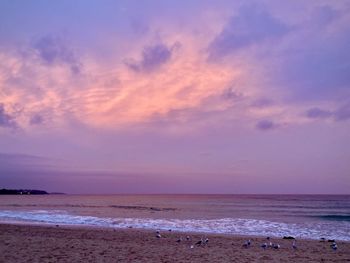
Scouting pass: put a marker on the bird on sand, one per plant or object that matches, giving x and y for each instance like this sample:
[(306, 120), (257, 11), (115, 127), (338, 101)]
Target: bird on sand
[(276, 246), (200, 242), (334, 246), (246, 244)]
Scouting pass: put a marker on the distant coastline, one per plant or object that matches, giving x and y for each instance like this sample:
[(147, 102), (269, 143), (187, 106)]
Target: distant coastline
[(22, 192)]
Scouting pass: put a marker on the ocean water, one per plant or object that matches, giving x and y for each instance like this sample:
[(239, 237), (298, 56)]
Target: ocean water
[(301, 216)]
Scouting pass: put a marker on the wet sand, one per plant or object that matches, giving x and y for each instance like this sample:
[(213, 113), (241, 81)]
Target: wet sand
[(25, 243)]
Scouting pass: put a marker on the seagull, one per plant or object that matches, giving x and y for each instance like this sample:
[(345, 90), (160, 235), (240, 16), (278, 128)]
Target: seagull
[(206, 241), (157, 232), (188, 238), (276, 246), (158, 236), (246, 244), (191, 246), (249, 242), (334, 246), (270, 244), (200, 242), (294, 245), (179, 240), (264, 246)]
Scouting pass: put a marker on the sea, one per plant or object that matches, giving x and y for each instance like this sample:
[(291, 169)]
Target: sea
[(300, 216)]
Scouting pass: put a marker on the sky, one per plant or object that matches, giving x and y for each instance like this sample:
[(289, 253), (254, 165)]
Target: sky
[(160, 96)]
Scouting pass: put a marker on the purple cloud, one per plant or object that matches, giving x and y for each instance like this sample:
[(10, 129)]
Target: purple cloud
[(36, 119), (265, 125), (231, 94), (343, 113), (152, 58), (318, 67), (6, 120), (53, 50), (252, 25), (317, 113)]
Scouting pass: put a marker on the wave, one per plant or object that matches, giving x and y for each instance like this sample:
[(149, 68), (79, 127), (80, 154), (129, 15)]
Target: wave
[(236, 226), (131, 207), (335, 217)]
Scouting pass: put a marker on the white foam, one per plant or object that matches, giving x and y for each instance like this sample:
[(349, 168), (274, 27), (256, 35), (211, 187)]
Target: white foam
[(236, 226)]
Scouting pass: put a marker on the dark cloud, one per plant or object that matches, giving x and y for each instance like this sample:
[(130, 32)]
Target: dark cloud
[(36, 119), (6, 120), (341, 114), (317, 66), (231, 94), (251, 26), (317, 113), (319, 72), (152, 58), (53, 50), (265, 125)]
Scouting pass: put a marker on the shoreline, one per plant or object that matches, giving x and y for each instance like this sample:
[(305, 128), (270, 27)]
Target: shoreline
[(49, 243), (152, 230)]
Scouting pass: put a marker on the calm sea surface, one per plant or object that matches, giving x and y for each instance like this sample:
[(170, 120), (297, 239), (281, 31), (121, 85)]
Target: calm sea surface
[(303, 216)]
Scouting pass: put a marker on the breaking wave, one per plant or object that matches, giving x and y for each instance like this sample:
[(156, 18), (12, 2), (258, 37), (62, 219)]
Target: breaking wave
[(236, 226)]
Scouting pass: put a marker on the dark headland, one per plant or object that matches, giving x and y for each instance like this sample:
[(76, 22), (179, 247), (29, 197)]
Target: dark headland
[(22, 192)]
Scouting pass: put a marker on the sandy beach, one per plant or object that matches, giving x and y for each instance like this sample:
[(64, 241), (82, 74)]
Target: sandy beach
[(27, 243)]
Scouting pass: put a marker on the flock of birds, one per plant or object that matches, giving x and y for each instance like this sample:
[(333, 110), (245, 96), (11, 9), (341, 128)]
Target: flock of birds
[(268, 244), (248, 243)]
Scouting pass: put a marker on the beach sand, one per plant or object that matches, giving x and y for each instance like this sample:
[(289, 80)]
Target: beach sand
[(25, 243)]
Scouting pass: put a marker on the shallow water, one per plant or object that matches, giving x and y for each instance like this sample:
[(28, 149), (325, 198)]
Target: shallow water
[(308, 216)]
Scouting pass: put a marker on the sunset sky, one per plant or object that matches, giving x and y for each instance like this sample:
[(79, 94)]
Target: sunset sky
[(175, 96)]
